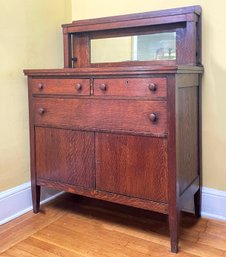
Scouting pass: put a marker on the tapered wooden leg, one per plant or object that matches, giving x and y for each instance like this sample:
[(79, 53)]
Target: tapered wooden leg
[(174, 220), (36, 198), (197, 203)]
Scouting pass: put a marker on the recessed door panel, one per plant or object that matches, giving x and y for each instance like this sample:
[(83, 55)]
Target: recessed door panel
[(65, 156), (135, 166)]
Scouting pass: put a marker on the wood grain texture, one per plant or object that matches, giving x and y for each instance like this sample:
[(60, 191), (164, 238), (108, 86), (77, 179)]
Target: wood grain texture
[(65, 155), (118, 71), (187, 136), (67, 49), (132, 166), (179, 18), (187, 29), (116, 115), (107, 196), (64, 86), (35, 189), (81, 50), (173, 185), (149, 87), (90, 228), (187, 80), (175, 11), (28, 224)]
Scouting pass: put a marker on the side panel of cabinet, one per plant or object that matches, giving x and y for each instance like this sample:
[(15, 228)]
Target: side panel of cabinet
[(132, 165), (65, 156)]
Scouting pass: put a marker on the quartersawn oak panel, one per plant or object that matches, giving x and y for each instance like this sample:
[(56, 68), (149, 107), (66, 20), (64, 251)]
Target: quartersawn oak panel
[(101, 114), (132, 165), (130, 87), (188, 145), (62, 86), (65, 155)]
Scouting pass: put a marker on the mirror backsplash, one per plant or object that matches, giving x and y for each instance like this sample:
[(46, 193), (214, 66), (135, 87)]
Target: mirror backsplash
[(149, 47)]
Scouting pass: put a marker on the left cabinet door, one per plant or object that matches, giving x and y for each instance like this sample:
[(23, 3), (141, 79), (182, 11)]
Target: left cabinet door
[(65, 156)]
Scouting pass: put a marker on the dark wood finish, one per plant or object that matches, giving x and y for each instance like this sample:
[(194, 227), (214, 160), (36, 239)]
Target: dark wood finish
[(127, 132), (187, 136), (185, 22), (61, 86), (35, 189), (107, 196), (197, 203), (198, 198), (99, 114), (144, 168), (116, 71), (170, 12), (67, 49), (66, 156), (153, 87), (172, 152), (81, 51)]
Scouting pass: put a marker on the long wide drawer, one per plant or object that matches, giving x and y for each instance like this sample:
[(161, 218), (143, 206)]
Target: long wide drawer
[(101, 114), (61, 86)]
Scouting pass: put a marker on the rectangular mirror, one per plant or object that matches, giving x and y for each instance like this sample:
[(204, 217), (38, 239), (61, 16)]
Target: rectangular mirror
[(149, 47)]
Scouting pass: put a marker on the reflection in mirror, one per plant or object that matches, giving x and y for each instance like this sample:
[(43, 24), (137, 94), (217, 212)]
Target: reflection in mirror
[(150, 47), (161, 46)]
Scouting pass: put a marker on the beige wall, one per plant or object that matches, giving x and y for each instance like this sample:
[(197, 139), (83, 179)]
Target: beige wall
[(214, 56), (30, 38)]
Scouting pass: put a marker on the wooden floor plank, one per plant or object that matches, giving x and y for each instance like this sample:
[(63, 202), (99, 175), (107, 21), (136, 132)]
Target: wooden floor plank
[(41, 249), (27, 227), (71, 227)]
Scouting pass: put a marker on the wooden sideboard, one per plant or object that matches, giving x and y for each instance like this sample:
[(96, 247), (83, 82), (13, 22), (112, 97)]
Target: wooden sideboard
[(126, 132)]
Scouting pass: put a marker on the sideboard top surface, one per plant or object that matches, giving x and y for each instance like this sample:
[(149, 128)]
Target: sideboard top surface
[(132, 70)]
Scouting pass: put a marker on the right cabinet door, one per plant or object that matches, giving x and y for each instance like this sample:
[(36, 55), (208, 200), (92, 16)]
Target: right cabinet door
[(135, 166)]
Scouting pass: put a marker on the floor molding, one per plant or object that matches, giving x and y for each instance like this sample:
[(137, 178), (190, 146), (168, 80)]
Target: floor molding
[(213, 203), (17, 201)]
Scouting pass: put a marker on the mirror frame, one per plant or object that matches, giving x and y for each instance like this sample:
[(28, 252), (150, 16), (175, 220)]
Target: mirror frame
[(184, 21)]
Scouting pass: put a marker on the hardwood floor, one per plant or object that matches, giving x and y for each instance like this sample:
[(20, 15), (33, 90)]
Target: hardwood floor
[(81, 227)]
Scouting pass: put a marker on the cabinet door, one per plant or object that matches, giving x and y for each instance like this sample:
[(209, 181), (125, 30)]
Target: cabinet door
[(132, 165), (65, 156)]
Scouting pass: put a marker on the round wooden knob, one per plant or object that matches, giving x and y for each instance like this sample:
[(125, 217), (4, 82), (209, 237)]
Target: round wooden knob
[(78, 87), (103, 87), (152, 87), (41, 111), (40, 86), (153, 117)]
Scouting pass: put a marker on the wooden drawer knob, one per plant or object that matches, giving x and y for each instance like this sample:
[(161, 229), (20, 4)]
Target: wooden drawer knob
[(153, 87), (153, 117), (40, 86), (41, 111), (78, 86), (103, 87)]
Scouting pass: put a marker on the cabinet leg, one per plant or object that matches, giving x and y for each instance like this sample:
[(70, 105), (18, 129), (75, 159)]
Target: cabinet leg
[(197, 202), (36, 198), (174, 221)]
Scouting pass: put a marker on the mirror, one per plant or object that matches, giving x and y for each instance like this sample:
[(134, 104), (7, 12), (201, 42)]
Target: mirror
[(149, 47)]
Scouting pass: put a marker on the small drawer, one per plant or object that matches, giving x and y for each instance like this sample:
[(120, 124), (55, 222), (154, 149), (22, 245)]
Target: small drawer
[(143, 87), (98, 114), (61, 86)]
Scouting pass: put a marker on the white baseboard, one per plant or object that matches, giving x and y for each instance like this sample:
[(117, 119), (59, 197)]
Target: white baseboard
[(213, 203), (17, 201)]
